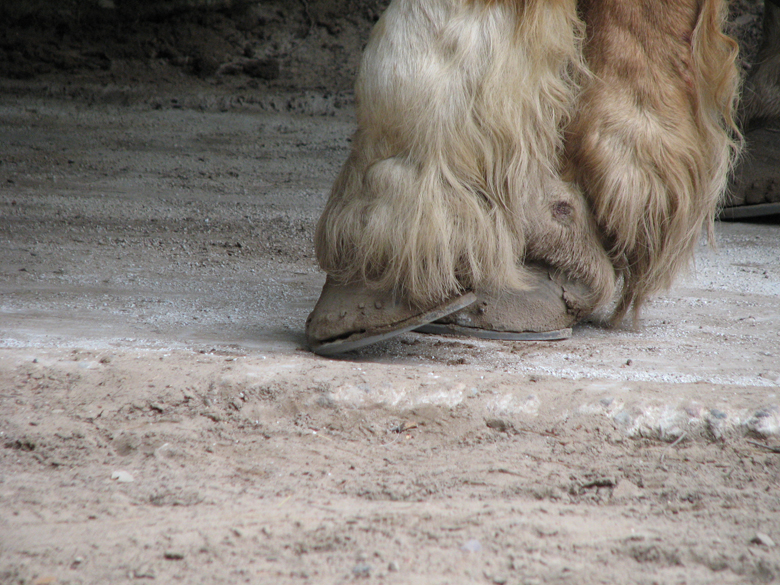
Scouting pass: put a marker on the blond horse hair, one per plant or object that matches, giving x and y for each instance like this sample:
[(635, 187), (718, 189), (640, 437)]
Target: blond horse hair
[(461, 105), (456, 174)]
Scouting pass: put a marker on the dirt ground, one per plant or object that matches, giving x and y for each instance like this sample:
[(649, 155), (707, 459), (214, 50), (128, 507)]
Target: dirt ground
[(162, 421)]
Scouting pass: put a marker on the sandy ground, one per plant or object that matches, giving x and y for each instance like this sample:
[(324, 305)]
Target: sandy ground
[(161, 419)]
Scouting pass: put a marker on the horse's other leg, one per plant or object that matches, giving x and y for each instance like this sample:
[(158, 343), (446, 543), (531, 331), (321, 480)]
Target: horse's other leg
[(653, 140)]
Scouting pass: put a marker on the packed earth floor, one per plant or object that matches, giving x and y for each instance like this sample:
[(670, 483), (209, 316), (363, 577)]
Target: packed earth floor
[(162, 421), (161, 417)]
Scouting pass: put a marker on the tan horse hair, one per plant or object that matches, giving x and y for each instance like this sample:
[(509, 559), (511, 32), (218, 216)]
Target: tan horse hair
[(459, 172)]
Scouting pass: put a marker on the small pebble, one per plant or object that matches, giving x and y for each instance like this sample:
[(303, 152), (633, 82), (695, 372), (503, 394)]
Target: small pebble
[(693, 410), (122, 477), (763, 539), (472, 546), (144, 573), (625, 490), (173, 555), (770, 375), (393, 567), (500, 425), (361, 570)]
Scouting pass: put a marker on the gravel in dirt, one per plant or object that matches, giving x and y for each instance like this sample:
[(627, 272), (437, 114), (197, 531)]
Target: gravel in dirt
[(155, 275)]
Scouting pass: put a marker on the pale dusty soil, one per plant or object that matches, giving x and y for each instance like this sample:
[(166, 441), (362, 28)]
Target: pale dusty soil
[(155, 275), (156, 269)]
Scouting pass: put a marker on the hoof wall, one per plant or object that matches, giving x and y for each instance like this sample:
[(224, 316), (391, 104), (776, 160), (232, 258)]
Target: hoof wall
[(348, 317)]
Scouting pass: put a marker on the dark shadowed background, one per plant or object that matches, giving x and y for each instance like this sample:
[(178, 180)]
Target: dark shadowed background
[(269, 45)]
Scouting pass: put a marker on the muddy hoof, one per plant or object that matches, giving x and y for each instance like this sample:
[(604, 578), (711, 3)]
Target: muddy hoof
[(544, 312), (352, 316)]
